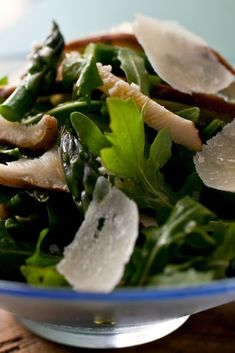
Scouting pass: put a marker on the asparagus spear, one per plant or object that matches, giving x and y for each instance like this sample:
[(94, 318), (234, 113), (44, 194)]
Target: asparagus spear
[(43, 61)]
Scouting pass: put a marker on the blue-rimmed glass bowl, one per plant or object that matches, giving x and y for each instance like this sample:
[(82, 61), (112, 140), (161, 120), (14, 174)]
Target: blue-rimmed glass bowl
[(125, 317)]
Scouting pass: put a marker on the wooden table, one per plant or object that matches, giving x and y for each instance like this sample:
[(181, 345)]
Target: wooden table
[(207, 332)]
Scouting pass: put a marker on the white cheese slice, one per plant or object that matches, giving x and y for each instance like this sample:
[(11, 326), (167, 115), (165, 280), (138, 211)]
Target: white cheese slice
[(181, 58), (96, 258), (183, 131), (215, 164)]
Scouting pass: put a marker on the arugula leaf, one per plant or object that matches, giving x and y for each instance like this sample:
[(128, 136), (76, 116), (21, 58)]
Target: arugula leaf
[(12, 255), (83, 70), (126, 157), (63, 111), (103, 53), (175, 277), (44, 276), (133, 65), (186, 225), (71, 68), (191, 113), (89, 133), (39, 258), (159, 156), (226, 250), (89, 78)]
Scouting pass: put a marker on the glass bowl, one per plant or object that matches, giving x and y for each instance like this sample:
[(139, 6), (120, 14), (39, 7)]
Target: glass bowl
[(125, 317)]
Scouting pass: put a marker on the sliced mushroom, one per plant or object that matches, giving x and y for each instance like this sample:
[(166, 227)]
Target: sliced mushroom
[(42, 172), (38, 137), (212, 106), (183, 131)]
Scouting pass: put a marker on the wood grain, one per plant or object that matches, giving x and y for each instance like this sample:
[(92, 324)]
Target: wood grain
[(207, 332)]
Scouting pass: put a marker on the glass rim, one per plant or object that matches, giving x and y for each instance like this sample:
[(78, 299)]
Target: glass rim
[(218, 287)]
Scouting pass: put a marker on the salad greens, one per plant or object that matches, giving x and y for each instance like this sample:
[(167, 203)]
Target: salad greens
[(186, 230)]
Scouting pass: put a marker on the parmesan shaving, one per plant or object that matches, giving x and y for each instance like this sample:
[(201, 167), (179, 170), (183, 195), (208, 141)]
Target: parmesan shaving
[(96, 258), (183, 131), (215, 164), (181, 58)]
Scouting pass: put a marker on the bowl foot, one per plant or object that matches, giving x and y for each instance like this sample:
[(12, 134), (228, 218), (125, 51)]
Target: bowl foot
[(104, 336)]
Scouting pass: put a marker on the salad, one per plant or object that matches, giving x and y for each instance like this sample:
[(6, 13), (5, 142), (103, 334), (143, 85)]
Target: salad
[(116, 162)]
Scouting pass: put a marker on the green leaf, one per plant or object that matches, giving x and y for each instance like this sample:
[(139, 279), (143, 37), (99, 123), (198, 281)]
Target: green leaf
[(103, 53), (71, 68), (89, 133), (63, 111), (133, 65), (191, 113), (12, 255), (226, 250), (6, 193), (180, 278), (39, 258), (159, 156), (125, 157), (89, 79), (186, 218), (43, 276)]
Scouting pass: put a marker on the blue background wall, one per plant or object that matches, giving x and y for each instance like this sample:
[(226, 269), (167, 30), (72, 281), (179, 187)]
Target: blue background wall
[(212, 19)]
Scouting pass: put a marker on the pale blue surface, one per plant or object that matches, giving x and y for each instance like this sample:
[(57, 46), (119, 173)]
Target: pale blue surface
[(212, 19)]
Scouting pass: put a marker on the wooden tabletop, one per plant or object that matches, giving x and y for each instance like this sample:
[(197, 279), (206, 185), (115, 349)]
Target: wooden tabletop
[(207, 332)]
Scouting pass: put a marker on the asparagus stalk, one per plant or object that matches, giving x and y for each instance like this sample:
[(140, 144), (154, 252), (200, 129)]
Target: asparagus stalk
[(43, 61)]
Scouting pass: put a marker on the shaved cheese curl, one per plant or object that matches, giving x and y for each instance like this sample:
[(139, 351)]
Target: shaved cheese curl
[(156, 116), (180, 57), (215, 164)]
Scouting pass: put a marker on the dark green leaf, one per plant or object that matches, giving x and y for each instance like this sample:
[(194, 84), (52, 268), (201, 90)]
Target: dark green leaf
[(63, 111), (226, 250), (191, 113), (12, 255), (158, 155), (71, 68), (185, 219), (89, 79), (41, 259), (133, 65), (89, 133), (103, 53)]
